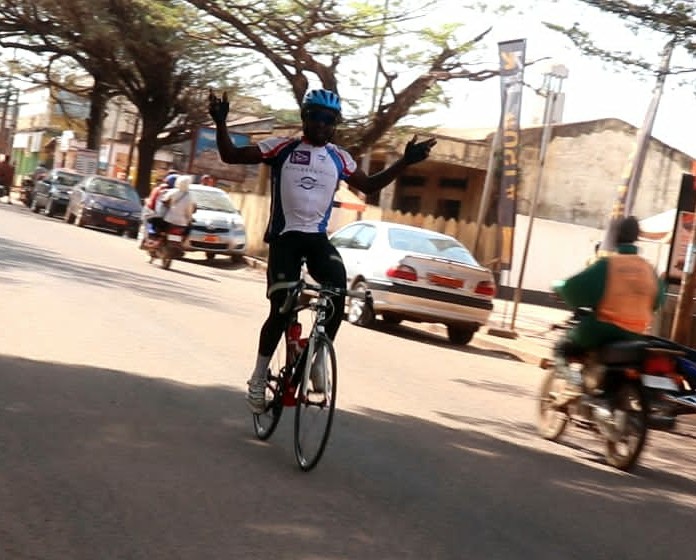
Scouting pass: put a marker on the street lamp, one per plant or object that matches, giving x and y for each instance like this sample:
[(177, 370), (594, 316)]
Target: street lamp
[(550, 89)]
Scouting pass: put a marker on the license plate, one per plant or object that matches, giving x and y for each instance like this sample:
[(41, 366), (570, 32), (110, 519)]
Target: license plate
[(211, 239), (119, 221), (659, 382), (174, 237), (445, 281)]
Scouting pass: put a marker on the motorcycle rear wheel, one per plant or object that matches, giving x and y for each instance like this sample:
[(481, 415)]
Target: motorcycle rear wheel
[(166, 257), (552, 422), (631, 411)]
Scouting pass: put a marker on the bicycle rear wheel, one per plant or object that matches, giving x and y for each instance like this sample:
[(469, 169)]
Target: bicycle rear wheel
[(266, 422), (315, 405)]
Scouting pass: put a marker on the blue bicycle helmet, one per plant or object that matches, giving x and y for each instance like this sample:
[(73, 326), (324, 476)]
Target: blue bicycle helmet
[(322, 98)]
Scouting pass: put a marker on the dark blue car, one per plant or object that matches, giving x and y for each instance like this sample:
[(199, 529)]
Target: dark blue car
[(105, 203)]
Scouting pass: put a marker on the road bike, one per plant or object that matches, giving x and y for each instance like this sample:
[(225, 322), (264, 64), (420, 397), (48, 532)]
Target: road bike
[(303, 374)]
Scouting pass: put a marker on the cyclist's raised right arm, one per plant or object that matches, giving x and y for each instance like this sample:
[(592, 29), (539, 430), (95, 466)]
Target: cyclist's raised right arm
[(219, 107), (229, 153)]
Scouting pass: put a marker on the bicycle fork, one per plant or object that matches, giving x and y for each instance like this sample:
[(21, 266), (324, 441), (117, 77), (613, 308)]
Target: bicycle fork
[(317, 332)]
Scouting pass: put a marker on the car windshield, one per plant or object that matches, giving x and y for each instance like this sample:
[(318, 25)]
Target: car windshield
[(213, 200), (431, 244), (114, 189), (67, 179)]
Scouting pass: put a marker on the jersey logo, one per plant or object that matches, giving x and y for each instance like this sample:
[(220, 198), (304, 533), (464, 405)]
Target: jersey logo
[(300, 157), (307, 183)]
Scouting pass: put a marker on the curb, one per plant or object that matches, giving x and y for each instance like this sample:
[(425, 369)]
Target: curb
[(254, 262), (530, 357)]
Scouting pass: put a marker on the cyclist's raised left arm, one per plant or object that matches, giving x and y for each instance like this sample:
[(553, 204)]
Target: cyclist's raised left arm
[(414, 152)]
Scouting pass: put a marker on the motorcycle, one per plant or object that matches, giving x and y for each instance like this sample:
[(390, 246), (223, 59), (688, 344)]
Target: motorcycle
[(26, 192), (624, 389), (165, 245)]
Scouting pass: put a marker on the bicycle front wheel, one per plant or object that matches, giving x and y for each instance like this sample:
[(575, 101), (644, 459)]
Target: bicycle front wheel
[(315, 404)]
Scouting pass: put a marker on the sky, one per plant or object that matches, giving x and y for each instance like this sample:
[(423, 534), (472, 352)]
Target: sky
[(593, 90)]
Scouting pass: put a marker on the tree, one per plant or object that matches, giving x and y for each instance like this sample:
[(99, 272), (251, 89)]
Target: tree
[(305, 41), (142, 50), (674, 18)]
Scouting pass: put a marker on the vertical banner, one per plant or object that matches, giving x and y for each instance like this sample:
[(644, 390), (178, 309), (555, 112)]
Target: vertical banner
[(511, 75)]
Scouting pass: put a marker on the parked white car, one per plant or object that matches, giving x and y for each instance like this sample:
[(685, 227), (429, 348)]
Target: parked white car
[(415, 274), (218, 227)]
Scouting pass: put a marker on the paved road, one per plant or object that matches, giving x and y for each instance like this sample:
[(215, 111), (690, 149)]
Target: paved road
[(123, 432)]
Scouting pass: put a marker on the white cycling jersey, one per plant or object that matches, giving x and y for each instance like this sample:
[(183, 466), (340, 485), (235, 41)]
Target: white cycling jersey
[(304, 179)]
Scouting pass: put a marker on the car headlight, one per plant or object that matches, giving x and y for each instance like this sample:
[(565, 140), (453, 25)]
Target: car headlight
[(94, 205)]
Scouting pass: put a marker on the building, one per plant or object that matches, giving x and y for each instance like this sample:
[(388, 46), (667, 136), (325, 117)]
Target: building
[(51, 130), (584, 164)]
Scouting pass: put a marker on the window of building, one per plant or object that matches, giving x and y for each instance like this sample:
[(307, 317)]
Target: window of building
[(448, 208), (452, 182), (409, 204), (411, 181)]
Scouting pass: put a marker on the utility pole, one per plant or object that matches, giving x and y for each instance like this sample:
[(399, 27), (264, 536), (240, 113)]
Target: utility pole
[(551, 89), (487, 185), (367, 156), (630, 180), (681, 323)]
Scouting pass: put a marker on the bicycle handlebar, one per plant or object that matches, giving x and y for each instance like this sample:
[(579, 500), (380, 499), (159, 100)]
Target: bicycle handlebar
[(303, 286)]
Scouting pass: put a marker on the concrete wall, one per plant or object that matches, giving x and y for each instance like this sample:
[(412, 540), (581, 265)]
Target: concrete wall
[(558, 250), (584, 166)]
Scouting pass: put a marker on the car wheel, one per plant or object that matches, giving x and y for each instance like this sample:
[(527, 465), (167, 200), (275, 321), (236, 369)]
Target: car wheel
[(48, 210), (133, 234), (359, 311), (34, 206), (460, 335), (210, 257)]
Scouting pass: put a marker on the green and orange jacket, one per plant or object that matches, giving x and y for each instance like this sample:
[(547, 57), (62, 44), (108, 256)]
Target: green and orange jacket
[(586, 289)]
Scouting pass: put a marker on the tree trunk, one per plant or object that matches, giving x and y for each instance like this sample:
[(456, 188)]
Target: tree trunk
[(147, 146), (99, 97)]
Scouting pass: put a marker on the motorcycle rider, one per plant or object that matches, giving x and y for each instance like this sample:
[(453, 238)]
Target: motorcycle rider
[(622, 290), (153, 210), (179, 204)]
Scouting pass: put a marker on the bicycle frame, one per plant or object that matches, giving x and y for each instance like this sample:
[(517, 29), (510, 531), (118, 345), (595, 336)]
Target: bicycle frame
[(320, 306)]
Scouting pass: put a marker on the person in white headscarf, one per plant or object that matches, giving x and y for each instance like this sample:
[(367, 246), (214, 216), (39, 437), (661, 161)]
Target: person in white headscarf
[(179, 203)]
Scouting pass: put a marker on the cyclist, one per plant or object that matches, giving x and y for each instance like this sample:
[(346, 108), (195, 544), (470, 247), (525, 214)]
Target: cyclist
[(304, 177)]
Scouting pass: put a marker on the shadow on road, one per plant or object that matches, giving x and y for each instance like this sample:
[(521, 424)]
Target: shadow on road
[(97, 463), (421, 335), (21, 256)]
